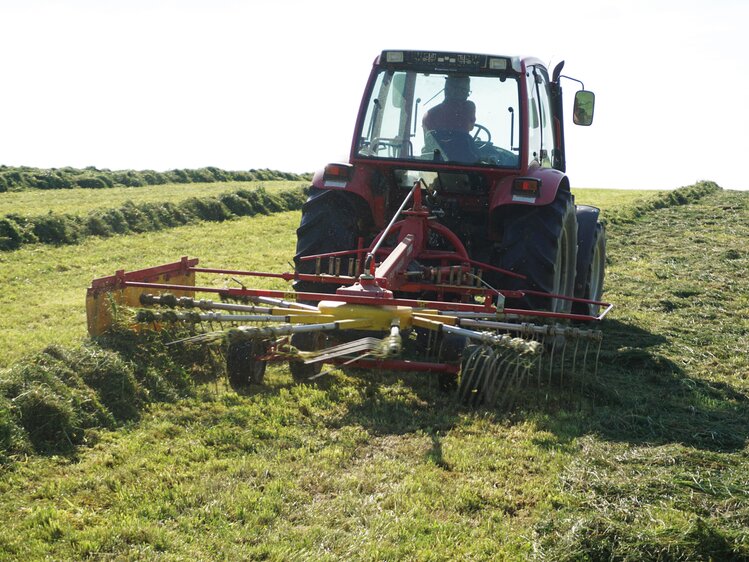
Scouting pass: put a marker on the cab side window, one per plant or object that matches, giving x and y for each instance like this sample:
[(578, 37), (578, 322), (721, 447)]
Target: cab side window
[(542, 140)]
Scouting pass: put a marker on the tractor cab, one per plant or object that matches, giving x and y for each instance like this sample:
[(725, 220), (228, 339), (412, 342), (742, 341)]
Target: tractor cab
[(442, 117), (463, 109)]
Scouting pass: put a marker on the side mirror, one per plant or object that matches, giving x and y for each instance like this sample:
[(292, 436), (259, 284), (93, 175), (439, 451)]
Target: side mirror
[(582, 112)]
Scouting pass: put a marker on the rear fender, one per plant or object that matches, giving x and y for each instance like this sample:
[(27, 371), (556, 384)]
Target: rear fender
[(359, 184), (550, 179), (501, 196)]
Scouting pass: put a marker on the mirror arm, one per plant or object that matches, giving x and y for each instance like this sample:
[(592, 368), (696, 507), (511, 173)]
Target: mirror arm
[(574, 80)]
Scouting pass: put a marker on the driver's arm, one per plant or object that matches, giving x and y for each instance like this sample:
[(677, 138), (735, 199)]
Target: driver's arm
[(471, 111)]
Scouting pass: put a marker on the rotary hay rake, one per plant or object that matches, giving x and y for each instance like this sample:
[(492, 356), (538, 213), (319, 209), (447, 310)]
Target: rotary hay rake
[(458, 326)]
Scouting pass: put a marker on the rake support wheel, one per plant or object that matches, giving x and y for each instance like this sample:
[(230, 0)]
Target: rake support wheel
[(301, 371), (242, 364)]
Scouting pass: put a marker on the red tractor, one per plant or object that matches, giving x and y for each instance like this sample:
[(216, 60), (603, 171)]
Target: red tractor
[(449, 242), (485, 134)]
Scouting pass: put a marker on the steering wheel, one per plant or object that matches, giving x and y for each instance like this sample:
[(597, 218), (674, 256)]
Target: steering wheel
[(478, 129)]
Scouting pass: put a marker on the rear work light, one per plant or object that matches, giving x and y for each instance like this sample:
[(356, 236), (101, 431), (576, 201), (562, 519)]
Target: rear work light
[(337, 175), (526, 189)]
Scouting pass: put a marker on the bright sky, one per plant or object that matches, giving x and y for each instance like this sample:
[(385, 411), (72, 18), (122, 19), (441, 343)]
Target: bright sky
[(240, 84)]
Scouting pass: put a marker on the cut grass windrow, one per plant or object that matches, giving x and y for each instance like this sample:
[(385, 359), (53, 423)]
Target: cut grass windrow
[(15, 179), (57, 229), (79, 201)]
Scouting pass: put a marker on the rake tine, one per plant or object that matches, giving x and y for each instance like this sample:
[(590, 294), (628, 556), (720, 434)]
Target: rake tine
[(585, 357), (465, 373), (561, 371), (484, 370), (551, 358), (473, 366), (490, 372), (508, 400), (328, 371), (574, 356), (584, 372), (481, 369), (505, 379), (522, 371), (539, 370)]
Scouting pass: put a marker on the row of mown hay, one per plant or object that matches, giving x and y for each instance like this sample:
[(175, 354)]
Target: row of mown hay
[(59, 398), (58, 229), (23, 178), (682, 196)]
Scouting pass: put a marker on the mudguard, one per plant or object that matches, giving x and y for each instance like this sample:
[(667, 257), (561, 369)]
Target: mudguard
[(551, 180)]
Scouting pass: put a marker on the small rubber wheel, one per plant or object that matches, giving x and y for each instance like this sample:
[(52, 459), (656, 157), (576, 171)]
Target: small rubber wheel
[(451, 351), (242, 364), (300, 371)]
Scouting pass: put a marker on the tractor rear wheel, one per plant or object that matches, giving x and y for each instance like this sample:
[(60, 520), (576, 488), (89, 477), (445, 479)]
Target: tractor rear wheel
[(332, 221), (540, 243), (591, 265)]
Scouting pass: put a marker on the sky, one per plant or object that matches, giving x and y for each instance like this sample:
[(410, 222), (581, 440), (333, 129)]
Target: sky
[(240, 84)]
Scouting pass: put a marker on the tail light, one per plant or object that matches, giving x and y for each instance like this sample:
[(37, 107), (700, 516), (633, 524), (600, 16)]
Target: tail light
[(337, 175), (526, 189)]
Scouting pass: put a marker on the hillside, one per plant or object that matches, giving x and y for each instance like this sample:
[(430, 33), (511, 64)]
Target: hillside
[(650, 463)]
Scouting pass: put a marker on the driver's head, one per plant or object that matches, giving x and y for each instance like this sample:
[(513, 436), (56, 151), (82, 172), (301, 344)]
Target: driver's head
[(457, 87)]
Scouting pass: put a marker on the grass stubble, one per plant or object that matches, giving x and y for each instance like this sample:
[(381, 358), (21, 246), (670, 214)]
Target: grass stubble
[(650, 464)]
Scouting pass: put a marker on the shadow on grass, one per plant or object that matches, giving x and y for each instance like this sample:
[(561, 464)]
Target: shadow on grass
[(640, 396)]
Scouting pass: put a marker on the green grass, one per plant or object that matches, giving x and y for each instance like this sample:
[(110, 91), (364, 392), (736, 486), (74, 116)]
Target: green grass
[(293, 473), (81, 201), (661, 471), (44, 287), (653, 465)]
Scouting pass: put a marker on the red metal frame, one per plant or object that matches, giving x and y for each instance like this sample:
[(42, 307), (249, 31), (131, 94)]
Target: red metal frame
[(374, 287)]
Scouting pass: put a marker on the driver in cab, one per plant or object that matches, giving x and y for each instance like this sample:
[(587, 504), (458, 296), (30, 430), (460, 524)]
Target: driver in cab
[(449, 123), (456, 112)]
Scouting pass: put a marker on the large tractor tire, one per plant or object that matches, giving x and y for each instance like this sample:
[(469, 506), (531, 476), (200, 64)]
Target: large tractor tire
[(591, 259), (332, 221), (540, 243)]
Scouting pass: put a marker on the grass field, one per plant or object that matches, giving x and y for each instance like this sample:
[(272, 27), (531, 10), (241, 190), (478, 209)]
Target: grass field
[(45, 286), (81, 201), (651, 465)]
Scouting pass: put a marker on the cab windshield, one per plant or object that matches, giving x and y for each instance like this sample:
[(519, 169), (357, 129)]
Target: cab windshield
[(442, 117)]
